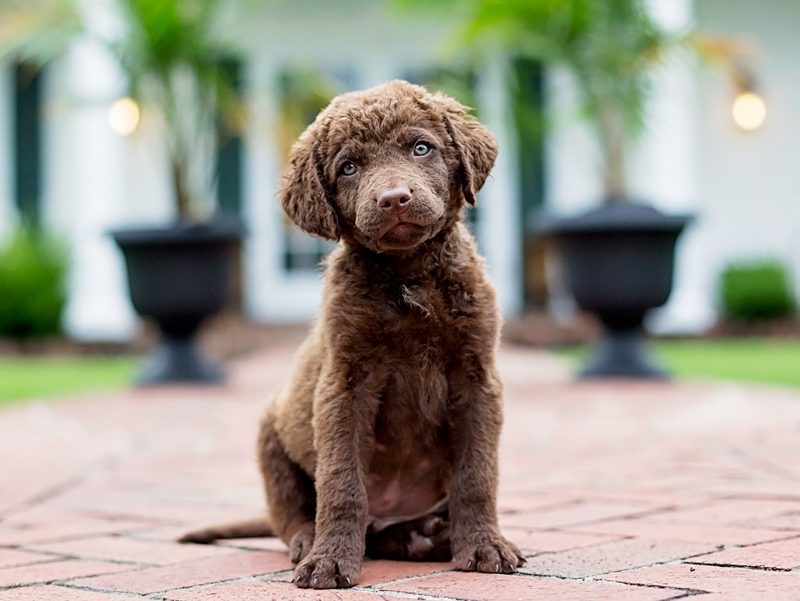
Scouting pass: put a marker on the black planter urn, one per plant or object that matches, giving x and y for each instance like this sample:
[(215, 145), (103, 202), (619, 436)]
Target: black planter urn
[(619, 261), (179, 276)]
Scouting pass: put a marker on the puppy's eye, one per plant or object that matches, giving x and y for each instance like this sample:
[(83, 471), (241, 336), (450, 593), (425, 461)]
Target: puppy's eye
[(421, 149), (348, 168)]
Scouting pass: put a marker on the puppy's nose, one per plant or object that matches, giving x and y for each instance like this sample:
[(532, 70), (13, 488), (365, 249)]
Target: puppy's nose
[(396, 199)]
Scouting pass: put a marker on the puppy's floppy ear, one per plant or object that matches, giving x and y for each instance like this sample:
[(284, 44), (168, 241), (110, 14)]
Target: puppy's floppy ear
[(474, 143), (302, 192)]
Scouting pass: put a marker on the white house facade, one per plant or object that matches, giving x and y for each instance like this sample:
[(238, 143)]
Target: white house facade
[(693, 158)]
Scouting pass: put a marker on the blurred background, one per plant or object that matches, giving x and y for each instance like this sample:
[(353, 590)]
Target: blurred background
[(126, 114)]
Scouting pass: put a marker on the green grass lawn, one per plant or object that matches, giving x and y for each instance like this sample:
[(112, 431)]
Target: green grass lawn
[(23, 377), (767, 361)]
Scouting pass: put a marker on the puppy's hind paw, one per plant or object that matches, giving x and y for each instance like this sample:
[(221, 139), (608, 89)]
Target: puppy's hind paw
[(301, 543)]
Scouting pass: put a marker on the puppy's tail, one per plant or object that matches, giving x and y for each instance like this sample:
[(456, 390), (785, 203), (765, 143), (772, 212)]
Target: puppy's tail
[(252, 528)]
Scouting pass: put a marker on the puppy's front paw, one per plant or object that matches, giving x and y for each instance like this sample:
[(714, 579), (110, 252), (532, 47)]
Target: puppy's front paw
[(487, 552), (322, 570)]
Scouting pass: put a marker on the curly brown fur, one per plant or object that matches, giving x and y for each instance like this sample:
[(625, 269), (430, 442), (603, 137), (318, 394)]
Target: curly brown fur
[(394, 409)]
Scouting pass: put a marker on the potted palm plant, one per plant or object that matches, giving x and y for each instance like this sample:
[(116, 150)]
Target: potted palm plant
[(175, 70), (618, 257), (179, 275)]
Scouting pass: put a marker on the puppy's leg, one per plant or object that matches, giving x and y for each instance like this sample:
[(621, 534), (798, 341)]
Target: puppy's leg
[(423, 539), (475, 536), (340, 421), (290, 493)]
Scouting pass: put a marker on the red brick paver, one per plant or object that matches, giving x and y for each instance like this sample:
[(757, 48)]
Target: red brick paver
[(116, 548), (54, 593), (789, 521), (614, 490), (12, 557), (730, 580), (493, 587), (780, 555), (612, 557), (698, 533), (74, 528), (180, 575), (376, 572), (730, 511), (532, 542), (55, 570), (256, 590)]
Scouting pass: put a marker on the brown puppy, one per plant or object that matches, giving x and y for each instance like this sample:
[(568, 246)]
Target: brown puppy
[(384, 441)]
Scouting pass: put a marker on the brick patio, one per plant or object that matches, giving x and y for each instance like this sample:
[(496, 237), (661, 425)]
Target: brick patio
[(614, 490)]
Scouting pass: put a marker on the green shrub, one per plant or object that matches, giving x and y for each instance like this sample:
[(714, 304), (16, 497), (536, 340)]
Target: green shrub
[(32, 286), (752, 291)]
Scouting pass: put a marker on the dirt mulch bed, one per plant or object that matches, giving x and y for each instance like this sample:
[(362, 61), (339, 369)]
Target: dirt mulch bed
[(541, 329), (224, 337)]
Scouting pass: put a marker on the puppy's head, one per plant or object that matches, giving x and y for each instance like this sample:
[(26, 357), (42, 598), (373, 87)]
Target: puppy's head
[(388, 168)]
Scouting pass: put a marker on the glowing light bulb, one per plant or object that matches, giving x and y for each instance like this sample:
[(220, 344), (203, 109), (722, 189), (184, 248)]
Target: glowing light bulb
[(123, 116), (749, 111)]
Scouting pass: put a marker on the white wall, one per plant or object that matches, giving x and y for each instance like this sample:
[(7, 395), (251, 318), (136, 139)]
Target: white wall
[(749, 192)]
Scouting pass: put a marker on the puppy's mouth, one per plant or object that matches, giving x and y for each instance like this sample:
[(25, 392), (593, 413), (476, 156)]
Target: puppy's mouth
[(403, 228), (402, 234)]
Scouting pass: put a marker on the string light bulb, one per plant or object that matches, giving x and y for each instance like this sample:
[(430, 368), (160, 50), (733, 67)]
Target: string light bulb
[(123, 116), (749, 110)]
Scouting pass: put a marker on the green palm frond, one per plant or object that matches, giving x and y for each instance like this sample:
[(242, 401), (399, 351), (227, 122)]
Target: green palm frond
[(609, 47), (173, 60)]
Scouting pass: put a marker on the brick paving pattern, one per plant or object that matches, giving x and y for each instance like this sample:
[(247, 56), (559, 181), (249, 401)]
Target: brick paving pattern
[(614, 490)]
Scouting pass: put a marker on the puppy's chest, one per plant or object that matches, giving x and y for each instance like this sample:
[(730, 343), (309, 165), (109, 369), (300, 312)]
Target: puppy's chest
[(418, 343), (435, 296), (431, 311)]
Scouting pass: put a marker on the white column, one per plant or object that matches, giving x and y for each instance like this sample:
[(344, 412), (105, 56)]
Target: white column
[(664, 173), (258, 191), (572, 159), (7, 210), (84, 189), (500, 230), (271, 294)]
